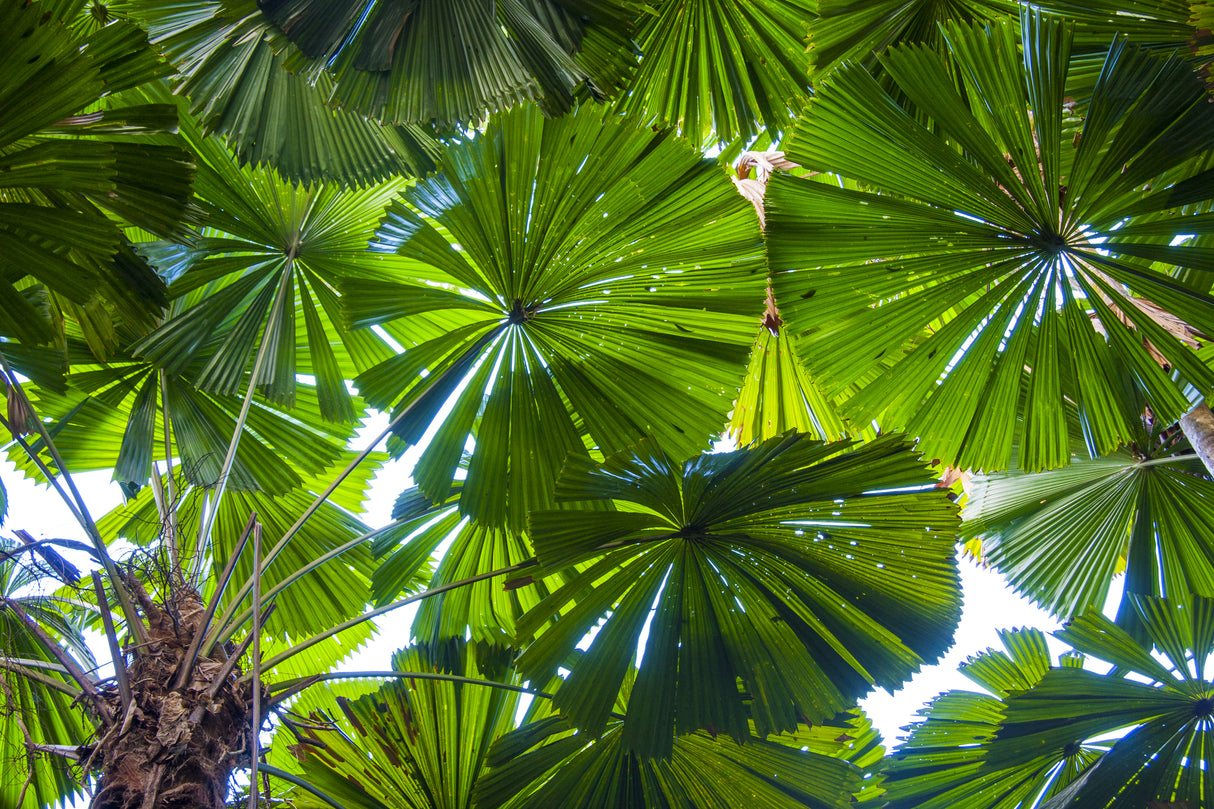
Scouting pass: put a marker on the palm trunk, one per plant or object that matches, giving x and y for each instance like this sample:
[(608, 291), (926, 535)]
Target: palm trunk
[(174, 749), (1198, 427)]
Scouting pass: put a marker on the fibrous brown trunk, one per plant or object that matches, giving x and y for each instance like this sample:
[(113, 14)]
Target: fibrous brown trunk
[(1198, 427), (172, 749)]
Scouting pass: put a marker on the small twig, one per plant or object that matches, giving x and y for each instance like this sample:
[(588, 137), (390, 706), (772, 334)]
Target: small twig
[(29, 744), (111, 637), (64, 750)]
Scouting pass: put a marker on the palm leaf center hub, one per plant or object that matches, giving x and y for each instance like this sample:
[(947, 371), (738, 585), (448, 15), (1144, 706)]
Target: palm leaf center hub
[(520, 314)]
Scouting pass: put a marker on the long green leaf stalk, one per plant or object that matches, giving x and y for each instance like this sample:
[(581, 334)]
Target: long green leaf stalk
[(342, 627), (170, 527), (263, 352), (269, 769), (321, 498), (289, 688), (225, 632)]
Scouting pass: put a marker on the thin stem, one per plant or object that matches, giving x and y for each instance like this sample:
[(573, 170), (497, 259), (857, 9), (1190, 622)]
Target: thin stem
[(191, 655), (269, 769), (298, 684), (263, 352), (231, 662), (225, 631), (256, 667), (80, 511), (358, 459), (45, 679), (111, 637), (342, 627), (170, 484)]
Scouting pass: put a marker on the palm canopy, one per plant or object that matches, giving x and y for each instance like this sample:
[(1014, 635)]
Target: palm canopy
[(596, 280), (795, 568), (1061, 536), (1002, 259)]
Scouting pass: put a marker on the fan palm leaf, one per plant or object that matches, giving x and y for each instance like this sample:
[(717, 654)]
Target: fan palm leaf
[(453, 62), (543, 764), (415, 743), (790, 567), (231, 64), (598, 282), (1061, 536), (264, 270), (1165, 706), (942, 762), (35, 712), (67, 166), (699, 64), (779, 395), (1002, 261)]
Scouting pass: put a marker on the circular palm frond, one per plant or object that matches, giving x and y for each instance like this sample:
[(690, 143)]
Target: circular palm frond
[(723, 70), (600, 284), (942, 763), (806, 572), (452, 62), (1009, 257), (1158, 698)]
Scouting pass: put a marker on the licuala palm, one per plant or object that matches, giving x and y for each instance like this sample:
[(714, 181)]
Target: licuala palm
[(576, 297)]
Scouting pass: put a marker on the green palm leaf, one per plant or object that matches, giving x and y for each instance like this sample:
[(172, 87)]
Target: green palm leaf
[(453, 62), (34, 712), (789, 567), (943, 764), (52, 183), (413, 744), (231, 61), (1061, 536), (265, 240), (1002, 262), (598, 286), (543, 764), (699, 68), (779, 395), (1166, 708), (328, 595), (861, 30), (114, 418)]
